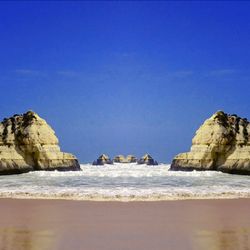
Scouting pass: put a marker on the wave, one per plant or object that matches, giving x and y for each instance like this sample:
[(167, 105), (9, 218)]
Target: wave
[(123, 170), (125, 182)]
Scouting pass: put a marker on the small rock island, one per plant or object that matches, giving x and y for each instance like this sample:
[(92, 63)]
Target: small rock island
[(119, 159), (131, 159), (222, 143), (148, 160), (28, 143), (104, 159), (122, 159)]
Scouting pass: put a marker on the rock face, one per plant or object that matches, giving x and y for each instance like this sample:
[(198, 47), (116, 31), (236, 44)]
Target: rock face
[(102, 159), (119, 159), (222, 143), (28, 143), (131, 159), (122, 159), (148, 160)]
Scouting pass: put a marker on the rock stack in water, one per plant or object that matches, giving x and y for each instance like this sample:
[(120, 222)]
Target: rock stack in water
[(102, 159), (222, 143), (148, 160), (28, 143), (119, 159), (122, 159), (131, 159)]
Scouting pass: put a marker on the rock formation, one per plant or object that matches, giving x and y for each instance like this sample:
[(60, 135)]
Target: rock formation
[(119, 159), (122, 159), (131, 159), (221, 143), (102, 159), (28, 143), (148, 160)]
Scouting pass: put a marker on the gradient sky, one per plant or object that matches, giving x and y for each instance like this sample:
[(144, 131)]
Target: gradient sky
[(125, 77)]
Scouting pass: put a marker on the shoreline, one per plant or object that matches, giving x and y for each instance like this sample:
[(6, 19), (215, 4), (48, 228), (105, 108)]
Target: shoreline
[(100, 198), (174, 225), (122, 200)]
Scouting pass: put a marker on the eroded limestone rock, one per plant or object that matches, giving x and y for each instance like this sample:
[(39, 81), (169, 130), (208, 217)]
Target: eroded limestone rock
[(221, 143), (131, 159), (127, 159), (119, 159), (28, 143), (102, 159), (148, 160)]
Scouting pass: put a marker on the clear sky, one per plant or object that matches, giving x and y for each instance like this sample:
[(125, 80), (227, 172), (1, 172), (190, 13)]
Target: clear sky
[(125, 77)]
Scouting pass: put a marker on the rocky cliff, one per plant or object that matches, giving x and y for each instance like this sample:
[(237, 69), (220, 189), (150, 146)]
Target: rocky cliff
[(28, 143), (221, 143)]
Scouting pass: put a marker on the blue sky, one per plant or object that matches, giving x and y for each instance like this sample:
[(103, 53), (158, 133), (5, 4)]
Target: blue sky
[(125, 77)]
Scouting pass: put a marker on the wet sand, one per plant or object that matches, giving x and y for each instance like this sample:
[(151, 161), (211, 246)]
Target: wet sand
[(61, 224)]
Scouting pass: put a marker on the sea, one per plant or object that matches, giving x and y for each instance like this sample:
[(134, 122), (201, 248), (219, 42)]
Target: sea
[(125, 182)]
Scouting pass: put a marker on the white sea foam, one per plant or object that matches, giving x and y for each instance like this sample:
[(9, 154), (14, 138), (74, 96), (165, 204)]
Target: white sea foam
[(125, 182)]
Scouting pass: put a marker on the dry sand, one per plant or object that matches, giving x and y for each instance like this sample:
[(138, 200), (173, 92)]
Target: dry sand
[(60, 224)]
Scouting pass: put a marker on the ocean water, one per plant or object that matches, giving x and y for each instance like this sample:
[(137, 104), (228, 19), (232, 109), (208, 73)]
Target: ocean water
[(125, 182)]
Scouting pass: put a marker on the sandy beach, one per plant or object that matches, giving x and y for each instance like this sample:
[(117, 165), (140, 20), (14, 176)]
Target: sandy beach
[(60, 224)]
